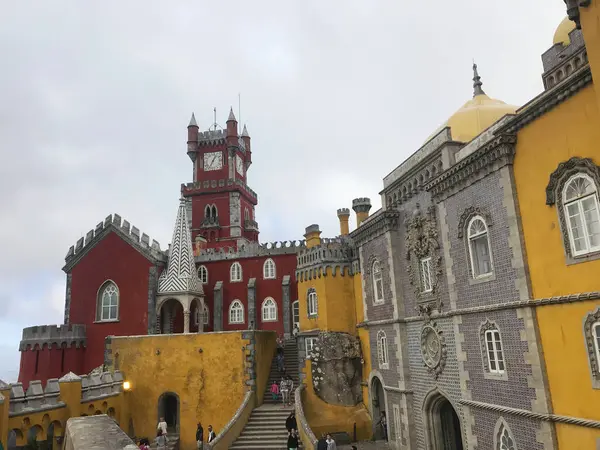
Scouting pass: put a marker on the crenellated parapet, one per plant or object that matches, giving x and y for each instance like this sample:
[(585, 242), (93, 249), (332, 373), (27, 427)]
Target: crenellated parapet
[(249, 250), (130, 233), (102, 385), (211, 137), (59, 335), (338, 254), (35, 399), (211, 185)]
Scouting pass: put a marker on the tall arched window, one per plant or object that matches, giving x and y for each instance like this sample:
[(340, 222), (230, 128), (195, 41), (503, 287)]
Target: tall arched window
[(269, 269), (479, 248), (580, 199), (108, 302), (382, 350), (377, 282), (214, 211), (312, 302), (236, 312), (269, 310), (235, 272), (246, 214), (203, 274)]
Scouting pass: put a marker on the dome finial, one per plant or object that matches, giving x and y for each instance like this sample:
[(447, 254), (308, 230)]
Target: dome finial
[(477, 82)]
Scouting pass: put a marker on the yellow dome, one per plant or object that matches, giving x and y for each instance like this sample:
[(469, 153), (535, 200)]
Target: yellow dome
[(476, 115), (561, 35)]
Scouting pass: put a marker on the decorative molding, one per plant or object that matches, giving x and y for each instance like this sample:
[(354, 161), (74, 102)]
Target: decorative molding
[(377, 225), (251, 250), (590, 346), (468, 214), (433, 349), (564, 171), (422, 242), (491, 157)]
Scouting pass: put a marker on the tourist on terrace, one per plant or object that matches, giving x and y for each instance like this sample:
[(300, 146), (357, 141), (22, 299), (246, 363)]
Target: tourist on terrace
[(161, 440), (322, 443), (292, 442), (162, 425), (331, 443), (211, 434), (200, 436)]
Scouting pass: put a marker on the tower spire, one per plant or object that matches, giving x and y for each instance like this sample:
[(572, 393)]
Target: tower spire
[(477, 82), (193, 121), (231, 115)]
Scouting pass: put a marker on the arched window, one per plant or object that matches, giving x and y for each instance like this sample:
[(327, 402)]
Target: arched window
[(377, 283), (580, 199), (479, 248), (503, 437), (246, 214), (312, 302), (269, 269), (236, 312), (214, 211), (203, 274), (269, 310), (108, 302), (591, 328), (382, 350), (207, 211), (235, 272)]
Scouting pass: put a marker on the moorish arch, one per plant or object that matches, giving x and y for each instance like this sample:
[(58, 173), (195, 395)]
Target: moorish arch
[(443, 426)]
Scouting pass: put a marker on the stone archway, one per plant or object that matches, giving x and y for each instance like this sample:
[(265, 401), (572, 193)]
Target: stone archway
[(168, 407), (171, 317), (442, 423), (378, 407)]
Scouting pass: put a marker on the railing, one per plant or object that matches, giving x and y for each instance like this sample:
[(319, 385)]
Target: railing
[(235, 426), (309, 440)]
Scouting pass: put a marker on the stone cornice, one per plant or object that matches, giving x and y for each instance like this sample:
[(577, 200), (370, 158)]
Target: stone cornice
[(548, 100), (491, 157), (383, 222)]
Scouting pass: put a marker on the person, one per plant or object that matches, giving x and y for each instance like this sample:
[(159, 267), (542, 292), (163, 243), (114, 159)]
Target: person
[(280, 362), (211, 434), (295, 331), (322, 443), (331, 443), (290, 386), (144, 444), (199, 436), (274, 391), (162, 425), (290, 422), (292, 442), (161, 440), (383, 423), (284, 387)]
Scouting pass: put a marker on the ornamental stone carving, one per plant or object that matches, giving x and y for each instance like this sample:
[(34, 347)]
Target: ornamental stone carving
[(591, 319), (468, 214), (433, 349), (564, 171), (422, 242)]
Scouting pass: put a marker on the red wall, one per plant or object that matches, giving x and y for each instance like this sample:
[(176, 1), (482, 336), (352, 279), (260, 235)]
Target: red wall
[(251, 268), (111, 259), (51, 363)]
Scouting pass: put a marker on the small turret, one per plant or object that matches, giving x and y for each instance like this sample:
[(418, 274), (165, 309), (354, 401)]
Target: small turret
[(246, 140), (232, 124), (192, 142), (312, 236), (361, 207), (344, 216)]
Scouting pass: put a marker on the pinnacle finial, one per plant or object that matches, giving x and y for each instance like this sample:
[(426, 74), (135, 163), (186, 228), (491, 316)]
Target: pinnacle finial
[(193, 121), (477, 82), (245, 132), (231, 115)]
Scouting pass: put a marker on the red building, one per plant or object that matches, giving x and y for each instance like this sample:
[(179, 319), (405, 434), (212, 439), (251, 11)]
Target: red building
[(215, 276)]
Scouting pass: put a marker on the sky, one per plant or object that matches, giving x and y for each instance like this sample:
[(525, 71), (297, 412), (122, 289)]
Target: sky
[(95, 99)]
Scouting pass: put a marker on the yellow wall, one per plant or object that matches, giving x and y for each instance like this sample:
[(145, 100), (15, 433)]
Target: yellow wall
[(265, 344), (590, 26), (207, 371)]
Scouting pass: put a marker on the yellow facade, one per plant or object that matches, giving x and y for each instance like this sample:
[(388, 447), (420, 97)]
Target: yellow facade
[(208, 374), (569, 129), (590, 26)]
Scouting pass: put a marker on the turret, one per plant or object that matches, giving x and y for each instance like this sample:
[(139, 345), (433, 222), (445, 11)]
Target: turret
[(232, 131), (312, 236), (361, 207), (192, 143), (246, 140), (343, 216)]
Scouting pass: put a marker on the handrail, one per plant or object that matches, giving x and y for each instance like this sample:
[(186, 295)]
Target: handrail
[(238, 414), (309, 440)]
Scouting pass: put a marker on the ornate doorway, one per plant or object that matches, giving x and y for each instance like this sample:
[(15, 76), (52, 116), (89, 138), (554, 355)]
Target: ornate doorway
[(168, 407), (443, 424)]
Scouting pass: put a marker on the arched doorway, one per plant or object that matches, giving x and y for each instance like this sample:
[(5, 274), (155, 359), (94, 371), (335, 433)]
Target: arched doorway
[(443, 423), (171, 317), (168, 407), (379, 408)]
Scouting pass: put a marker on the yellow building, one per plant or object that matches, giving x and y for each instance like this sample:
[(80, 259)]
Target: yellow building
[(557, 176), (330, 293)]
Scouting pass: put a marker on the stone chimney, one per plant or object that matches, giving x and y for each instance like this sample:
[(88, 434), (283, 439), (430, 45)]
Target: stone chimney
[(312, 236), (361, 207), (344, 215)]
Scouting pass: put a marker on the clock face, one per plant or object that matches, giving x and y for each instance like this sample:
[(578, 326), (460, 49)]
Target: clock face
[(239, 164), (213, 161)]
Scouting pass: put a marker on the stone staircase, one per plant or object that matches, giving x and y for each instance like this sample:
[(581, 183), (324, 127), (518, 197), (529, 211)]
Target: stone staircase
[(172, 442), (265, 429)]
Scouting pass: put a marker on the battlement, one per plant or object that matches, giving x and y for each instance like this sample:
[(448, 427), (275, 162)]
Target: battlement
[(209, 185), (37, 399), (125, 229), (212, 137), (343, 212), (53, 334), (331, 251), (250, 250), (362, 204)]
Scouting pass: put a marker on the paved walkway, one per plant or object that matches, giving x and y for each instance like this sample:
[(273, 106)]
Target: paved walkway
[(366, 445)]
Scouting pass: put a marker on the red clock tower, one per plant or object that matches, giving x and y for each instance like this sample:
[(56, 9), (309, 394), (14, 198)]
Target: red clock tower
[(222, 204)]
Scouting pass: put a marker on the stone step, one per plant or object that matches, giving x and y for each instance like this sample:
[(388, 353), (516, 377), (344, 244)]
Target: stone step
[(265, 441), (259, 447)]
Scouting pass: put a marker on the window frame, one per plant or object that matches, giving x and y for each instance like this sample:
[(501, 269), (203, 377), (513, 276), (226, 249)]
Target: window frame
[(239, 272), (312, 299), (428, 261), (592, 345), (205, 317), (470, 243), (295, 307), (579, 202), (100, 303), (313, 340), (269, 263), (203, 270), (241, 308), (496, 352), (383, 357), (263, 310), (377, 277)]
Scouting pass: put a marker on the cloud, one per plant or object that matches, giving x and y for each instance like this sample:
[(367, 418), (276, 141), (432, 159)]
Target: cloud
[(96, 99)]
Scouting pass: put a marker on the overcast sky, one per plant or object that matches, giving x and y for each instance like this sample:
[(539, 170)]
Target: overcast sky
[(95, 99)]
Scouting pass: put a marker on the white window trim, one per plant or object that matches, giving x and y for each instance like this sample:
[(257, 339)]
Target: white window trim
[(312, 341), (377, 276), (201, 270), (296, 303), (382, 350), (496, 352), (596, 344), (470, 238), (233, 303), (567, 222), (266, 275), (232, 272), (422, 263), (264, 310), (100, 302), (312, 303)]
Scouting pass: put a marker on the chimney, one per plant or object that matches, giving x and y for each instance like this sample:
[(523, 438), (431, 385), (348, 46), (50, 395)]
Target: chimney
[(312, 236), (361, 207), (344, 215)]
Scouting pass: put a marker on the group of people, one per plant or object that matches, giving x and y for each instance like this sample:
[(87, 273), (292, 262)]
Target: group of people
[(162, 439), (200, 435), (285, 388), (325, 443)]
